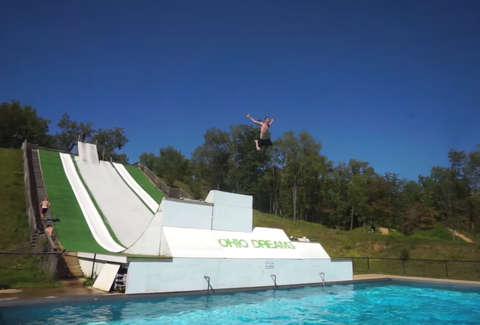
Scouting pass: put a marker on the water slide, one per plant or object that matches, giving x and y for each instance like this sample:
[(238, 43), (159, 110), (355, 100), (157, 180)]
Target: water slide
[(93, 218), (128, 216), (142, 194)]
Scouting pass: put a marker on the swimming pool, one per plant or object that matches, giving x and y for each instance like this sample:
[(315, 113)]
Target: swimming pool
[(389, 302)]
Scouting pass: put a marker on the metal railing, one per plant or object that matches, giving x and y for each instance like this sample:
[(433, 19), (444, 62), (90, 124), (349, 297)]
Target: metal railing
[(453, 269)]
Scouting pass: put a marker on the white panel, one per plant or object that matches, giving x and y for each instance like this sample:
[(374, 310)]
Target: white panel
[(187, 274), (232, 218), (310, 250), (149, 242), (185, 214), (231, 212), (232, 199), (100, 259), (106, 277), (92, 217), (88, 152), (261, 243), (149, 201), (126, 214)]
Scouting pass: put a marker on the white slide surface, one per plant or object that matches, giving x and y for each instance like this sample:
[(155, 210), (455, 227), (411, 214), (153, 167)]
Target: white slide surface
[(93, 218), (125, 212), (149, 201)]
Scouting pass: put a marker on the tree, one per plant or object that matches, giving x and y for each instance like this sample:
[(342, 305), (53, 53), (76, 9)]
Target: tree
[(19, 123), (301, 163), (172, 165), (110, 140), (211, 161), (149, 160), (71, 131)]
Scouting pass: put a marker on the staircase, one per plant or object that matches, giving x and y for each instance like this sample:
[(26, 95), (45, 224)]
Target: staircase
[(72, 265)]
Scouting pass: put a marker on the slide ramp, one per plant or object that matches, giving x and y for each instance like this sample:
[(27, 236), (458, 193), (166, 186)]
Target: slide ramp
[(142, 194), (93, 218), (126, 214)]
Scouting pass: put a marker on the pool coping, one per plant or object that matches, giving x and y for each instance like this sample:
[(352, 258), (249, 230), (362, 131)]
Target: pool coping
[(101, 296)]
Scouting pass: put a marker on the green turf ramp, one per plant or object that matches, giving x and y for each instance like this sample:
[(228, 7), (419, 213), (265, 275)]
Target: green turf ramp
[(145, 183), (72, 229)]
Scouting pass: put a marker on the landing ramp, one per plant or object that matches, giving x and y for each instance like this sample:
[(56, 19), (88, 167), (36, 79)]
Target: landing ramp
[(125, 212)]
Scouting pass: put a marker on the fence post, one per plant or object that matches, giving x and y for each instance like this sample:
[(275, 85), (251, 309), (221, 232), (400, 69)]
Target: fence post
[(368, 263), (93, 265), (446, 268)]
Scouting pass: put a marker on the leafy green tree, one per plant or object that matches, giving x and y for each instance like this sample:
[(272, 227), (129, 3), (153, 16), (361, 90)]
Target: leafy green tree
[(19, 123), (71, 132), (109, 141), (172, 165), (149, 160), (301, 162), (247, 165), (212, 160)]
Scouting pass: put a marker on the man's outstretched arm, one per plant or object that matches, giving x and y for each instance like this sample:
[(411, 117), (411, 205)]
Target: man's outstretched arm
[(253, 120)]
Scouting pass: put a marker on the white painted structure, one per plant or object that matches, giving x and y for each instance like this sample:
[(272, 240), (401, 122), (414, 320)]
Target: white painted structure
[(92, 217), (88, 152), (206, 243), (141, 193), (126, 214)]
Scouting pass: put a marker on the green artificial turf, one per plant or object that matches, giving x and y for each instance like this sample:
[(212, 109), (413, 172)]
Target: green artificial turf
[(72, 229), (145, 183)]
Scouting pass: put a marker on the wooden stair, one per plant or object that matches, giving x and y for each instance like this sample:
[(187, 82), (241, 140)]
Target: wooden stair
[(72, 265)]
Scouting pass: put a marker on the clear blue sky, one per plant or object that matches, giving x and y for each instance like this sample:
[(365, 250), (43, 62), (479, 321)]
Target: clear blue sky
[(394, 83)]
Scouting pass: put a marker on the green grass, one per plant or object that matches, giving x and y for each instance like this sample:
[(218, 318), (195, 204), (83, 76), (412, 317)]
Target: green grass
[(14, 230), (434, 244), (145, 183), (23, 272), (439, 232), (16, 271), (72, 229)]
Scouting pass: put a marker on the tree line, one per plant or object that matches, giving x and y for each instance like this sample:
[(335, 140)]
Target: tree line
[(21, 122), (292, 179)]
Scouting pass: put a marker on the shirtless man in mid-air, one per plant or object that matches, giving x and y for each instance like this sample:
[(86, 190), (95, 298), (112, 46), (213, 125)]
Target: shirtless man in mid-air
[(264, 126)]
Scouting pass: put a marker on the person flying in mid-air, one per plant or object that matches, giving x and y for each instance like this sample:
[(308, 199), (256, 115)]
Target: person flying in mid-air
[(264, 126)]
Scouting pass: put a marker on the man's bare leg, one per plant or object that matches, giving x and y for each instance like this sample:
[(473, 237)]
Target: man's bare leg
[(256, 144)]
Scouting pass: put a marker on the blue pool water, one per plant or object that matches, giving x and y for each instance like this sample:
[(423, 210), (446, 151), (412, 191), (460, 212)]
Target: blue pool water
[(364, 303)]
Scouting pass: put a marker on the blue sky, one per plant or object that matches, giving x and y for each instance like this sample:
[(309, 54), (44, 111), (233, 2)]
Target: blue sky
[(394, 83)]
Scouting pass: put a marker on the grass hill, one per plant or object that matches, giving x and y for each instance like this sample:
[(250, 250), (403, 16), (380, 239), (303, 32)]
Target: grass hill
[(15, 270), (437, 243)]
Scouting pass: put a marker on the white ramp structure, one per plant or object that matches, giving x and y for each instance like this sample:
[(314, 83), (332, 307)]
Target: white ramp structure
[(212, 244), (126, 214), (94, 220), (142, 194), (187, 245)]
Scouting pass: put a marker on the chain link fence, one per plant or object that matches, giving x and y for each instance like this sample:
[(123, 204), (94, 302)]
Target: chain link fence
[(451, 269)]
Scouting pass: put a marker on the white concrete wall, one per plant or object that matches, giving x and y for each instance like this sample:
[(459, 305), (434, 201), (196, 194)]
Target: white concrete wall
[(185, 214), (187, 274), (231, 211)]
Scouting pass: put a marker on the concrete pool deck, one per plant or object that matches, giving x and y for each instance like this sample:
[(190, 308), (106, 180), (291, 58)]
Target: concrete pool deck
[(73, 290)]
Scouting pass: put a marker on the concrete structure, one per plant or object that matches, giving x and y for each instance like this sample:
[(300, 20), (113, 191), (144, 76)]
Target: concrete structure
[(208, 244)]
